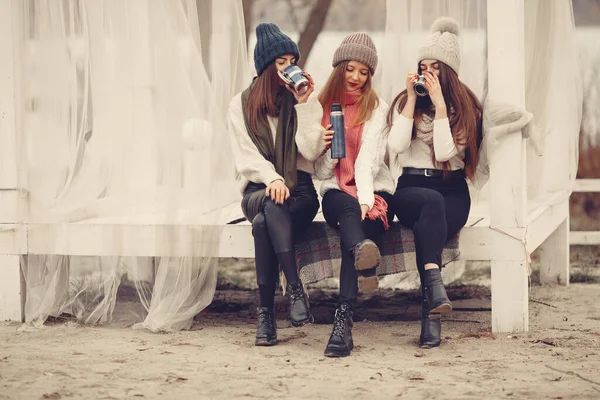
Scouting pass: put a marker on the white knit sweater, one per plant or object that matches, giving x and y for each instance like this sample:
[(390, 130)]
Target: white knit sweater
[(416, 153), (371, 173), (250, 164)]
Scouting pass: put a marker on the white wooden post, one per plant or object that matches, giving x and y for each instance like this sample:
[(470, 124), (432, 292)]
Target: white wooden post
[(508, 205), (554, 256), (554, 251), (11, 228)]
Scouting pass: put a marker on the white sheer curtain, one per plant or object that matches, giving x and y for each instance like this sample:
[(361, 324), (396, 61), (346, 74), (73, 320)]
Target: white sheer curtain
[(122, 126), (554, 97)]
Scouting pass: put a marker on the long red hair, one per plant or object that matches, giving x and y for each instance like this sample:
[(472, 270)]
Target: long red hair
[(335, 92), (264, 98), (465, 121)]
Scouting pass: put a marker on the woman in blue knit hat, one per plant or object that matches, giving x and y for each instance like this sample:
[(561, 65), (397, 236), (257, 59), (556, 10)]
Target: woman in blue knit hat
[(276, 168)]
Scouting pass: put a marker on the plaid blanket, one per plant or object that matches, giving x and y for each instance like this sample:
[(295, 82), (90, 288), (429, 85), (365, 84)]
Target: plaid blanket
[(318, 252)]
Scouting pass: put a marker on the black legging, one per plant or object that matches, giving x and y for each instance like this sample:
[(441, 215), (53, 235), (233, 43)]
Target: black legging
[(274, 227), (435, 209), (341, 207)]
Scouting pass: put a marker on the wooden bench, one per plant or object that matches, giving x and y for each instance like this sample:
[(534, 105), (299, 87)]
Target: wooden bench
[(507, 250)]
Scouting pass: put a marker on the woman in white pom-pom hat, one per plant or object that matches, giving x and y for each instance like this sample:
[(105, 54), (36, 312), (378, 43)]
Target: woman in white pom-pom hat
[(438, 133)]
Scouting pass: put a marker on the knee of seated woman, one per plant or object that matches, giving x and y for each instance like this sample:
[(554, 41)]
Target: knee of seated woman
[(271, 206), (434, 198), (259, 221)]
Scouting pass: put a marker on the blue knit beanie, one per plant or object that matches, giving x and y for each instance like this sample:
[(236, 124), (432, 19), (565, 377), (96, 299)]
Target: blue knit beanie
[(270, 44)]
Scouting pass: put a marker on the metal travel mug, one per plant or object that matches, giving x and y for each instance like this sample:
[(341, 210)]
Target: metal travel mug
[(294, 76), (419, 86)]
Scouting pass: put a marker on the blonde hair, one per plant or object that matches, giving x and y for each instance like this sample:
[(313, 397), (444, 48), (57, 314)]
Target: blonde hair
[(335, 92)]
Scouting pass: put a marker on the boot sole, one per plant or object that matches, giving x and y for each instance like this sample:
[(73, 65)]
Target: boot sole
[(442, 308), (297, 324), (368, 284), (429, 345), (367, 256), (265, 342), (338, 352)]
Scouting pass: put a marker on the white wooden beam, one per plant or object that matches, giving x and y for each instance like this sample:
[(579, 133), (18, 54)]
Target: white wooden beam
[(508, 197), (584, 238), (13, 239), (510, 297), (12, 236), (544, 221), (128, 240), (587, 185), (476, 243), (8, 137), (11, 288)]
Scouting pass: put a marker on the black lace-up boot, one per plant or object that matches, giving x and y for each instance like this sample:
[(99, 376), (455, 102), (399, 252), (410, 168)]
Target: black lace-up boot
[(266, 328), (299, 311), (340, 342)]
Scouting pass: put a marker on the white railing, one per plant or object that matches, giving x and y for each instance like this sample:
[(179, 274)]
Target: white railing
[(586, 237)]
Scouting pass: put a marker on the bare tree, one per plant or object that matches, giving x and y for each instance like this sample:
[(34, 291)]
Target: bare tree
[(314, 12), (205, 7), (247, 6), (314, 26)]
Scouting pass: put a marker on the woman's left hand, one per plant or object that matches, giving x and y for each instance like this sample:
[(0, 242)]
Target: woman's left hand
[(311, 88), (364, 209), (432, 83), (328, 137)]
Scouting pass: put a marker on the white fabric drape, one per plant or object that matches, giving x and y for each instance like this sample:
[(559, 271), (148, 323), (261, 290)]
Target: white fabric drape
[(122, 126)]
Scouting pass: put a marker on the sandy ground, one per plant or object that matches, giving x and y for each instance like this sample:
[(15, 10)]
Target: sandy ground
[(558, 359)]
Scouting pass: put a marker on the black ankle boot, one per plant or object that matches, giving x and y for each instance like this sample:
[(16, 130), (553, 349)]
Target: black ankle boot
[(435, 292), (299, 311), (340, 342), (266, 327), (431, 328)]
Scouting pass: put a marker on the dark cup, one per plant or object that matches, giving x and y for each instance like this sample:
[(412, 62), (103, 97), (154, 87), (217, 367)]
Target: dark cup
[(294, 76), (419, 86)]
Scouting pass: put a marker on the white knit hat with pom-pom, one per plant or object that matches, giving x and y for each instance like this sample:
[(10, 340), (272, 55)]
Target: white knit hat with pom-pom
[(442, 44)]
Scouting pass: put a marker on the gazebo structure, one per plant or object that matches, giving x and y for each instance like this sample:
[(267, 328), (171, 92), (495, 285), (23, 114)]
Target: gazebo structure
[(115, 158)]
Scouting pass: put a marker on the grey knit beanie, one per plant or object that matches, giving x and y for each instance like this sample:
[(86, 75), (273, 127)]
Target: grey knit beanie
[(357, 47), (270, 44), (442, 44)]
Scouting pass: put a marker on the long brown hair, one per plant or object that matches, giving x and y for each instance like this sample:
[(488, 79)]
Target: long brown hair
[(264, 98), (465, 121), (335, 92)]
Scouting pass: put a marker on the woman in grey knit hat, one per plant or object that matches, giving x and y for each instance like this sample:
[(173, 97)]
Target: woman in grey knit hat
[(439, 135), (356, 189), (279, 197)]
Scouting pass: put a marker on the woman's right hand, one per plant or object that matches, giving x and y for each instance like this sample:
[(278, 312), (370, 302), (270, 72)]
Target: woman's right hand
[(328, 137), (277, 191), (410, 85)]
